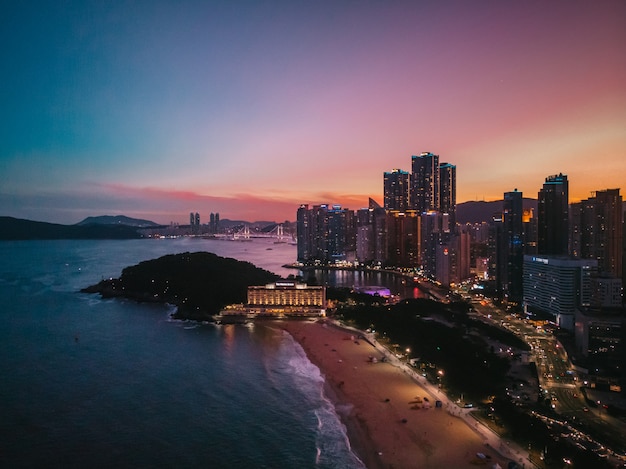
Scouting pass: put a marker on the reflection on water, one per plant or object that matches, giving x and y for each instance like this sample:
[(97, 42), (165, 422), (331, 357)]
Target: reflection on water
[(398, 285)]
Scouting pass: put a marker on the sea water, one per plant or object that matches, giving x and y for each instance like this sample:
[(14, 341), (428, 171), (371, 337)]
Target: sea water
[(86, 382)]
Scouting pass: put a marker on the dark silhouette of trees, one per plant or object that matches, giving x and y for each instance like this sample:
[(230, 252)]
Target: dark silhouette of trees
[(200, 284)]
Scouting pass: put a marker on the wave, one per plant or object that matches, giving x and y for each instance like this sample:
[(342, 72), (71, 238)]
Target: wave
[(331, 437)]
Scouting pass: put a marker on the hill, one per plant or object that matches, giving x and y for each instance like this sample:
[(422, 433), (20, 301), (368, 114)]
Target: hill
[(16, 228), (200, 284), (118, 220)]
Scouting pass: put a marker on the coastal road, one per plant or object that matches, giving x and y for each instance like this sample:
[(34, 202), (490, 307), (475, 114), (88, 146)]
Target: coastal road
[(558, 380)]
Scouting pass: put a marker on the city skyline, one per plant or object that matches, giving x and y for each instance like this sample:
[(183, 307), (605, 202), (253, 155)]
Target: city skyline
[(158, 109)]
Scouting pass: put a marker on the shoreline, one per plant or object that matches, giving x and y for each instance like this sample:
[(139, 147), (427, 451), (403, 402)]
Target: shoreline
[(360, 440), (392, 420)]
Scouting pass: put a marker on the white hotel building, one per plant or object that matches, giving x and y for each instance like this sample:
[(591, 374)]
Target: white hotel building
[(558, 286)]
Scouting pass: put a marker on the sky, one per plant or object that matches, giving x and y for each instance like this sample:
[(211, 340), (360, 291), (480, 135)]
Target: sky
[(155, 109)]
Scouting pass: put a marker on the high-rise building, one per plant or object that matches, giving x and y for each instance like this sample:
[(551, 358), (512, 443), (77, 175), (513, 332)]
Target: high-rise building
[(396, 190), (424, 193), (511, 248), (303, 234), (495, 249), (558, 286), (430, 240), (553, 216), (379, 223), (194, 223), (529, 224), (403, 238), (364, 236), (371, 234), (447, 195), (597, 231), (214, 223), (464, 253), (325, 233)]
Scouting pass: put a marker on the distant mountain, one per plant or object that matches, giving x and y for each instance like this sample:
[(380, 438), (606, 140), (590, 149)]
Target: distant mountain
[(16, 228), (118, 220), (481, 211)]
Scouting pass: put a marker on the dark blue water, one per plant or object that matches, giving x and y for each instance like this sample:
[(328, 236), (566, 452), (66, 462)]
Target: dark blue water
[(86, 382)]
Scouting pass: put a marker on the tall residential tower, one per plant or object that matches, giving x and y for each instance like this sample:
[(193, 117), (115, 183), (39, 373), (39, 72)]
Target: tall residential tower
[(396, 190), (424, 194), (553, 216)]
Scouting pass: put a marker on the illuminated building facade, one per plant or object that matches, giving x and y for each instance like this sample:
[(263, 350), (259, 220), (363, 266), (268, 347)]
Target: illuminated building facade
[(416, 224), (447, 196), (510, 252), (599, 341), (553, 216), (326, 234), (558, 286), (285, 298), (403, 238), (371, 234), (396, 190), (424, 195), (597, 230)]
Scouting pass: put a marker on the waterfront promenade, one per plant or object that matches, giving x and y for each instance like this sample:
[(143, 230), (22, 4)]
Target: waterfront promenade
[(390, 411)]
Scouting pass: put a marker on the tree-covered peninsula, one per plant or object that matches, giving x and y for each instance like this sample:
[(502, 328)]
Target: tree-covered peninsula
[(199, 284)]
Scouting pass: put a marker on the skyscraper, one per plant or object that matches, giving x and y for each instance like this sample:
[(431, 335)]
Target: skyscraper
[(403, 238), (303, 234), (553, 216), (529, 224), (325, 233), (599, 231), (194, 223), (424, 193), (511, 247), (214, 222), (447, 194), (396, 190), (371, 234)]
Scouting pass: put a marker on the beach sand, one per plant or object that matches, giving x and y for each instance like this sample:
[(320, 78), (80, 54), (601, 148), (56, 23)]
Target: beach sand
[(379, 404)]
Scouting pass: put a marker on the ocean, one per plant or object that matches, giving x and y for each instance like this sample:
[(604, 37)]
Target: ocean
[(88, 382)]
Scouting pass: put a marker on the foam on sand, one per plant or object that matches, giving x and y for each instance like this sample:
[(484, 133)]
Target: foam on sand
[(374, 400)]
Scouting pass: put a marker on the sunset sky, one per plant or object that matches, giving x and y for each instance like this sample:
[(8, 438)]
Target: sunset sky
[(153, 109)]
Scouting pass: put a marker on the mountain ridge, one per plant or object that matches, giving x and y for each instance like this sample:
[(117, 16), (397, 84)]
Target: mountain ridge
[(117, 220), (20, 229)]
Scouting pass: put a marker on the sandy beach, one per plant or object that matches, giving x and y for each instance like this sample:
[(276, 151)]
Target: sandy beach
[(392, 421)]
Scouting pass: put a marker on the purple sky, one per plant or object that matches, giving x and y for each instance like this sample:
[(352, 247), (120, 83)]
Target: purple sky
[(155, 109)]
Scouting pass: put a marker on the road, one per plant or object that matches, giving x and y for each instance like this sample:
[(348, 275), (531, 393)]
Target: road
[(558, 381)]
